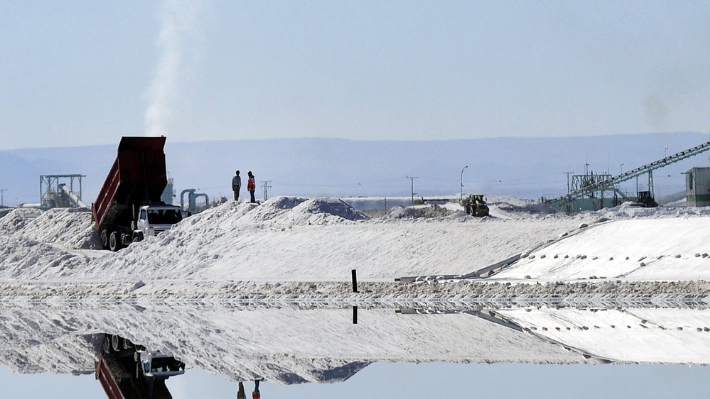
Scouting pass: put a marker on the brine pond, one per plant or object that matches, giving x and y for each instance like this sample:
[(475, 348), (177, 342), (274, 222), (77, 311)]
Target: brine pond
[(188, 350)]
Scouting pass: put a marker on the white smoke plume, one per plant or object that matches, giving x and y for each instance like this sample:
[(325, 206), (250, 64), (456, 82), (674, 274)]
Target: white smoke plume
[(178, 22)]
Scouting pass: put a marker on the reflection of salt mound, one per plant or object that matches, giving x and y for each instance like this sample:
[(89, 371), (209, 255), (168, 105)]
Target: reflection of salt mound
[(70, 228)]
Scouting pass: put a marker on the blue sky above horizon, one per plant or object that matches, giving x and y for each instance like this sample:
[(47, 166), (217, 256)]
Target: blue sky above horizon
[(82, 73)]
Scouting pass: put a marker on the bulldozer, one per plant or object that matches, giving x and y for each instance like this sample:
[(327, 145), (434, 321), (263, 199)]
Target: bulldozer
[(646, 200), (475, 205)]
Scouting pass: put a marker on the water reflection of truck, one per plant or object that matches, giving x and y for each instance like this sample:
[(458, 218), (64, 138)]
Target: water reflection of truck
[(128, 206), (128, 371)]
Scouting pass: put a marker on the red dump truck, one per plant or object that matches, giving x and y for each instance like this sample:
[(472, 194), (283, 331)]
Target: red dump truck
[(128, 207), (128, 371)]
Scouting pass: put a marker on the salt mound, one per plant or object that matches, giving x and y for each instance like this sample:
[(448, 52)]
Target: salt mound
[(70, 228), (230, 238), (331, 209), (285, 202), (419, 211), (17, 219), (291, 211), (629, 210), (28, 259), (270, 210)]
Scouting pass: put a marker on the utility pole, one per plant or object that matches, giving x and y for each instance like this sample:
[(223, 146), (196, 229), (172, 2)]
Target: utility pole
[(412, 179), (461, 199), (567, 173), (266, 186), (2, 197)]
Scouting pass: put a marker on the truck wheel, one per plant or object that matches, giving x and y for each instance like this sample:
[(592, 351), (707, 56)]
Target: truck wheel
[(137, 237), (114, 241), (107, 344), (104, 238), (116, 343)]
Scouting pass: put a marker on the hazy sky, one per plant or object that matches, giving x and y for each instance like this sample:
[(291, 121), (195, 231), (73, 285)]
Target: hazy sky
[(77, 72)]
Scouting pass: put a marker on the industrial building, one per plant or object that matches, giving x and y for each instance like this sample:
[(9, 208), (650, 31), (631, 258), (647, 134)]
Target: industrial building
[(697, 186)]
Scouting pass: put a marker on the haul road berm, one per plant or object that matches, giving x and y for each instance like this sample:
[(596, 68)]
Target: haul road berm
[(128, 206)]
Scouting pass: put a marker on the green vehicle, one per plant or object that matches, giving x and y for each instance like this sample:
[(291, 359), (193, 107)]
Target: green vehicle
[(475, 205)]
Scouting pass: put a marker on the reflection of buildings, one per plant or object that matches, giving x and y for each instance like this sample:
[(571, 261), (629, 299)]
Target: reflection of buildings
[(129, 371)]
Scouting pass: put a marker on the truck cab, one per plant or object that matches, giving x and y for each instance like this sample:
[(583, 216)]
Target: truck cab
[(154, 219), (158, 365), (128, 371)]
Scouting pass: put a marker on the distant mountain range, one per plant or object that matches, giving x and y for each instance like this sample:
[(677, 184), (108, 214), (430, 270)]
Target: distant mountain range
[(521, 167)]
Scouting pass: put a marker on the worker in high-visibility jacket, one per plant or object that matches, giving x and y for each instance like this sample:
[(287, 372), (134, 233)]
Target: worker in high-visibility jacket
[(251, 186)]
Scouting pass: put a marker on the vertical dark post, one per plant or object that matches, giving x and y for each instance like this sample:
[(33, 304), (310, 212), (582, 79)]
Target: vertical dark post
[(354, 281), (354, 314)]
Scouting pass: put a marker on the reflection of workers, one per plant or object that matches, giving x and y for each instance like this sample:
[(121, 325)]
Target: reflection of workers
[(251, 186), (256, 394), (240, 393), (236, 185)]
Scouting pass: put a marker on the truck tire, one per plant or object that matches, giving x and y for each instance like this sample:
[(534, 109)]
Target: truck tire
[(104, 238), (137, 237), (114, 241), (116, 343), (107, 344)]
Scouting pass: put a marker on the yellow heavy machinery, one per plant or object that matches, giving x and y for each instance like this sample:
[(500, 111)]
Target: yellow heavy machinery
[(475, 205)]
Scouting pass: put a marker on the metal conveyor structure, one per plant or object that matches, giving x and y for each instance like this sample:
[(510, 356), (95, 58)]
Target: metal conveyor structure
[(588, 186)]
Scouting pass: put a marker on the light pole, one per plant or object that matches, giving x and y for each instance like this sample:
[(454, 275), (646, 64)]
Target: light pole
[(464, 168), (412, 179), (621, 168), (665, 153)]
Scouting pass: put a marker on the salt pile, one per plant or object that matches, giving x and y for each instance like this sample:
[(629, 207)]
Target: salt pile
[(70, 228)]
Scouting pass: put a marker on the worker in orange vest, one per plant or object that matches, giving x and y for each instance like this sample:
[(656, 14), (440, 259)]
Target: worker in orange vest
[(256, 394), (251, 186)]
